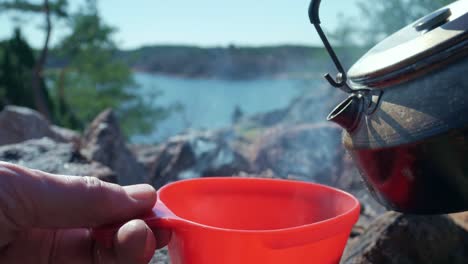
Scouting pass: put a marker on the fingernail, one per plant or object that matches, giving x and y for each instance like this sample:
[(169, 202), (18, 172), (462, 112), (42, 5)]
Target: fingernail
[(141, 192)]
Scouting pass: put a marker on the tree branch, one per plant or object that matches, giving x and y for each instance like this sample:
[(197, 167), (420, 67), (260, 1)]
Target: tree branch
[(39, 96)]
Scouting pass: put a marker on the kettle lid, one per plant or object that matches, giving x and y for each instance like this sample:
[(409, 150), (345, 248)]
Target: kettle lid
[(430, 42)]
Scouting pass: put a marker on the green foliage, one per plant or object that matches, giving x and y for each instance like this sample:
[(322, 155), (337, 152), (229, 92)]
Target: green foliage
[(384, 17), (36, 84), (57, 8), (92, 80), (380, 18), (89, 81), (16, 64), (377, 20)]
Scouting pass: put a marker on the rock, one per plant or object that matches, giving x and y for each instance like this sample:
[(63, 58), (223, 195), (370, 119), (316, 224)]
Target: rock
[(67, 134), (20, 124), (370, 210), (305, 152), (53, 157), (348, 176), (146, 155), (310, 107), (268, 174), (174, 158), (313, 106), (161, 257), (267, 119), (409, 239), (104, 142), (195, 155)]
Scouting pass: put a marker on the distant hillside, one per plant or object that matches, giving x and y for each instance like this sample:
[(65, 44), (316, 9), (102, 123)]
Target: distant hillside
[(234, 63), (226, 63)]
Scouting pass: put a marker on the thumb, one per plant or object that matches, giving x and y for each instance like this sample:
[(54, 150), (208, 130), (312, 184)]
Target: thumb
[(31, 198)]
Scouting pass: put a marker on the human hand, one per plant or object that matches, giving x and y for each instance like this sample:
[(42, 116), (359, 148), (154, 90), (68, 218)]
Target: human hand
[(46, 218)]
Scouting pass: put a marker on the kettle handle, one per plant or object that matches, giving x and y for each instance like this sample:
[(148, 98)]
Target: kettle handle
[(314, 11), (341, 78)]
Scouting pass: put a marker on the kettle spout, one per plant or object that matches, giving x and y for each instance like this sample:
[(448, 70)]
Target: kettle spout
[(348, 113)]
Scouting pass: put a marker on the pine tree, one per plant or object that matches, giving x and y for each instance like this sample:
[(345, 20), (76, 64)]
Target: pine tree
[(47, 9), (17, 63)]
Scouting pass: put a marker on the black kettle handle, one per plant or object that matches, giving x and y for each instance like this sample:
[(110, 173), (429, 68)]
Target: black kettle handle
[(341, 78), (314, 11)]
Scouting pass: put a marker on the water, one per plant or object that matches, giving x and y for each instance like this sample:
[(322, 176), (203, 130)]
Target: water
[(210, 103)]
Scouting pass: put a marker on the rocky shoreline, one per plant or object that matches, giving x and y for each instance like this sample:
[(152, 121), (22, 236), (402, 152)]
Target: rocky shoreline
[(229, 63), (275, 146)]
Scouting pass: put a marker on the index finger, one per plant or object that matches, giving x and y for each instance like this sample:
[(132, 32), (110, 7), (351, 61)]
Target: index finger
[(37, 199)]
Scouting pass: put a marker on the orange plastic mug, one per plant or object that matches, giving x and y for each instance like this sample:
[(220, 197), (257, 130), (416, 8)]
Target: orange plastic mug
[(251, 221)]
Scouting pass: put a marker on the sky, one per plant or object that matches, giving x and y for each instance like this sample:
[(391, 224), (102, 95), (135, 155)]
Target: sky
[(203, 22)]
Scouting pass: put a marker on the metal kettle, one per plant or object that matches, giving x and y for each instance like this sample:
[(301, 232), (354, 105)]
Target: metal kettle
[(406, 118)]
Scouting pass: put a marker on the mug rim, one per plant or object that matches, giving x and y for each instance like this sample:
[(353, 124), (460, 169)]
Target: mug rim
[(354, 209)]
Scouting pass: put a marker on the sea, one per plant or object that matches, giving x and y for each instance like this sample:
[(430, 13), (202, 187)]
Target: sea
[(211, 103)]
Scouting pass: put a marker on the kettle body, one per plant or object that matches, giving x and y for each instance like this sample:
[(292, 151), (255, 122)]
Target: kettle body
[(406, 118), (429, 177), (412, 152)]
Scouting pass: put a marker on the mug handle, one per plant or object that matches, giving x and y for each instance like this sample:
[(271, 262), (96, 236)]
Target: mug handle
[(160, 220)]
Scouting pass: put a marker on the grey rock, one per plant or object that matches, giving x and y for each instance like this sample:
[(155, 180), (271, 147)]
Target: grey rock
[(103, 142), (409, 239), (161, 257), (195, 155), (310, 152), (53, 157), (19, 124), (309, 107), (69, 135), (370, 210), (146, 155), (313, 106)]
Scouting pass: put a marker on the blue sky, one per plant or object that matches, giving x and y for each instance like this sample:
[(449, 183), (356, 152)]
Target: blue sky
[(205, 22)]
